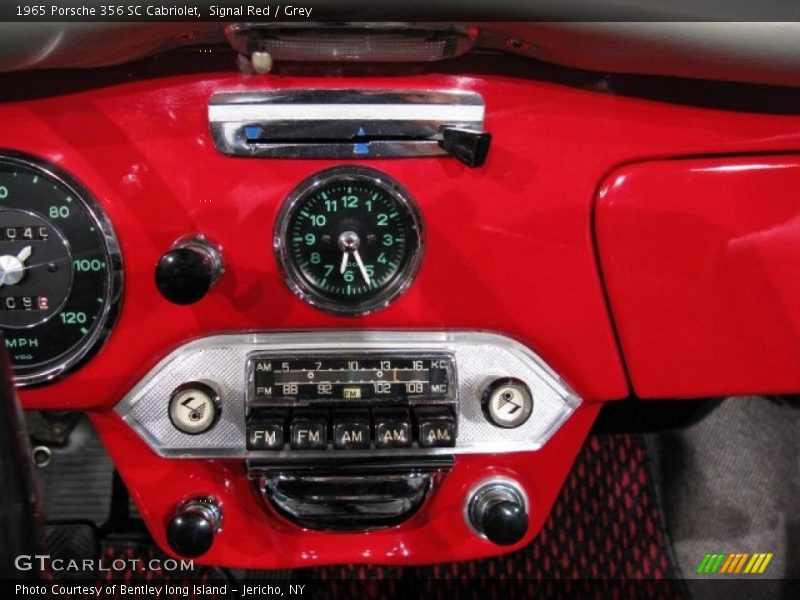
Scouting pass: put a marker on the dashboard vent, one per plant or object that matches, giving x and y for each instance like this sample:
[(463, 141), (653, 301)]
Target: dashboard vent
[(354, 42)]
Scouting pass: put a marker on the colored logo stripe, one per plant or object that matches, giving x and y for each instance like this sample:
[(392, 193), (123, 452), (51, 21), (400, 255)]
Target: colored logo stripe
[(758, 563), (738, 562), (710, 563), (732, 558)]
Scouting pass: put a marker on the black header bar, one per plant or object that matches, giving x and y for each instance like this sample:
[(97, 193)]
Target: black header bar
[(450, 11)]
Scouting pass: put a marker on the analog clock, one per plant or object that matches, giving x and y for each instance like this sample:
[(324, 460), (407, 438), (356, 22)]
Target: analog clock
[(349, 240)]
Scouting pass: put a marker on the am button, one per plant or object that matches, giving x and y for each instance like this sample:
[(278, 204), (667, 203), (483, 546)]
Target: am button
[(392, 428), (436, 427), (351, 430)]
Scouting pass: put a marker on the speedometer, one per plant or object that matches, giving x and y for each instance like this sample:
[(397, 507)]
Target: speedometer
[(349, 240), (60, 270)]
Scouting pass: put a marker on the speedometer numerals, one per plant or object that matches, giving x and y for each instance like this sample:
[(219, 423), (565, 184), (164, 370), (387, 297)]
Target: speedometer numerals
[(349, 240), (60, 271)]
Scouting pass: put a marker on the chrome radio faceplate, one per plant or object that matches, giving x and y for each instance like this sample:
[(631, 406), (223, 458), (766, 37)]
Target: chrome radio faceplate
[(314, 387)]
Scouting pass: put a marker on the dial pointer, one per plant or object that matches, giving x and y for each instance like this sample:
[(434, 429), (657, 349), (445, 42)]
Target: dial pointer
[(361, 267), (24, 254)]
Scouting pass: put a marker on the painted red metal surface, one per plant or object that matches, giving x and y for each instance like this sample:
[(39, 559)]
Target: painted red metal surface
[(256, 537), (702, 263), (509, 249), (508, 245)]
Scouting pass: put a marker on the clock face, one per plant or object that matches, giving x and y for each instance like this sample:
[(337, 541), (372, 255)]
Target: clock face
[(349, 240)]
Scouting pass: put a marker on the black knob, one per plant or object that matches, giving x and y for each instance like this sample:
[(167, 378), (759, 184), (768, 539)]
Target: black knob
[(470, 147), (186, 273), (497, 511), (505, 523), (191, 531)]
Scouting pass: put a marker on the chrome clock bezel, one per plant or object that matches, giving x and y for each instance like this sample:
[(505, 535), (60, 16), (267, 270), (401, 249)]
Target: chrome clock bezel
[(385, 296), (89, 346)]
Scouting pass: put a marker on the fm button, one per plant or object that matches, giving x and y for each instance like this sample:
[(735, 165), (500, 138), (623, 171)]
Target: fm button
[(309, 431), (265, 430)]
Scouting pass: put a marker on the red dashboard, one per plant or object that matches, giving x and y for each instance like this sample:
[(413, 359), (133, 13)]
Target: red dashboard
[(599, 234)]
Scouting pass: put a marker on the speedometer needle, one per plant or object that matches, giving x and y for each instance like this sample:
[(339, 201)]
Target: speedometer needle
[(12, 268), (24, 254), (361, 266)]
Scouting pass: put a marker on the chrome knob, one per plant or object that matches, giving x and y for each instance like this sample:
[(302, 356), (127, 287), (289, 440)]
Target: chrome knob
[(192, 529), (498, 511), (186, 273)]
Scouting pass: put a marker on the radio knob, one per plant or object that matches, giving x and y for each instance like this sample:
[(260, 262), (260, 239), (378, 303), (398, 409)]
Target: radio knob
[(186, 273), (507, 402), (192, 529), (498, 511), (194, 407)]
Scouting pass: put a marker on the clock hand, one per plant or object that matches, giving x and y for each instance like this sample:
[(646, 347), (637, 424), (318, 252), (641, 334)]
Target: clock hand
[(343, 268), (361, 267)]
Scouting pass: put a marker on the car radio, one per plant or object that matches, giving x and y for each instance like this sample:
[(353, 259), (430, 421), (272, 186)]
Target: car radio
[(349, 429), (364, 401)]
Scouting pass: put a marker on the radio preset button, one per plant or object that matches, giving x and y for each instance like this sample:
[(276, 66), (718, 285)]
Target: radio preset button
[(392, 428), (351, 430), (436, 427), (309, 431), (265, 430)]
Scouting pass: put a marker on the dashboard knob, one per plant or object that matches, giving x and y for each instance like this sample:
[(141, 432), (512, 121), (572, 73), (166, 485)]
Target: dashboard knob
[(470, 147), (505, 523), (186, 273), (192, 529), (498, 511), (507, 402)]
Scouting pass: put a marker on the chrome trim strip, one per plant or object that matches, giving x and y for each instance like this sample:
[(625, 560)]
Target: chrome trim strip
[(374, 501), (339, 123), (479, 358), (344, 112), (347, 150)]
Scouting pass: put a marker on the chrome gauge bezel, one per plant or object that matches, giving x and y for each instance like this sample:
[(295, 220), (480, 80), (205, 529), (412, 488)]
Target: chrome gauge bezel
[(79, 354), (296, 280)]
